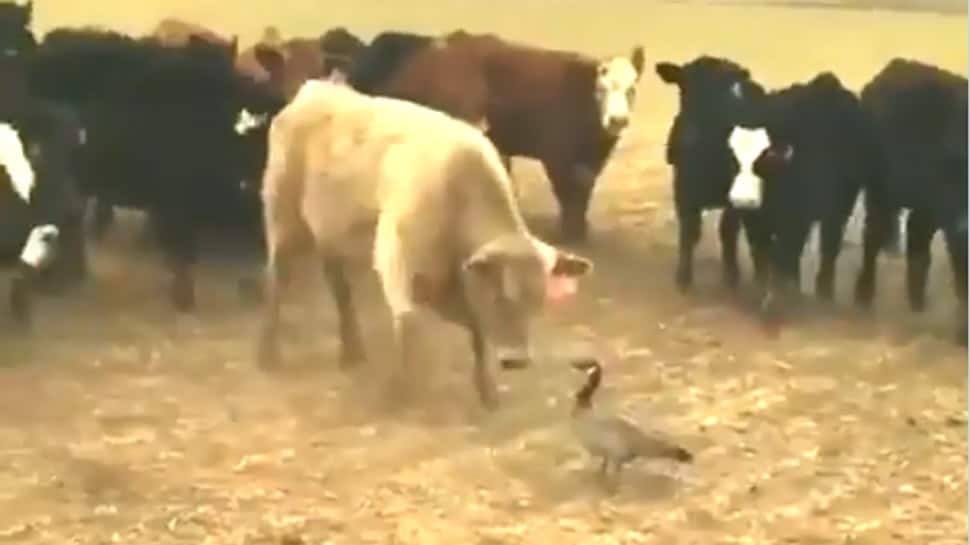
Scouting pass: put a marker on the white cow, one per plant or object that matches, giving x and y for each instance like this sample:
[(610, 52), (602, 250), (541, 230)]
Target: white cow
[(431, 192)]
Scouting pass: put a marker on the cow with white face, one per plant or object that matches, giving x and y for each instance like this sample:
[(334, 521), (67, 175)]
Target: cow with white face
[(715, 95), (802, 158), (616, 90)]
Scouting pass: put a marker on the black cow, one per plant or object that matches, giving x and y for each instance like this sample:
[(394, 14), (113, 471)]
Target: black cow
[(921, 115), (801, 158), (40, 206), (715, 96), (159, 124)]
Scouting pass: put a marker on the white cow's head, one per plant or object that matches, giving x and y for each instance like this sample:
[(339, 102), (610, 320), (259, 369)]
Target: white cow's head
[(748, 146), (14, 160), (616, 88)]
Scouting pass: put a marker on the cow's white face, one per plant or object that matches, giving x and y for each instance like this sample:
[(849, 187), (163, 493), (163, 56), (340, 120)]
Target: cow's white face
[(247, 121), (616, 88), (38, 251), (14, 160), (747, 145)]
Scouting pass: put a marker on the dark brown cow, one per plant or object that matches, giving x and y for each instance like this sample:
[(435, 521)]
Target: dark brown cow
[(564, 109)]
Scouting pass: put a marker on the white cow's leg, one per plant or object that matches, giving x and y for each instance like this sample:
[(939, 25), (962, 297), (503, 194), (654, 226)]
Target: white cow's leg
[(484, 383), (351, 346)]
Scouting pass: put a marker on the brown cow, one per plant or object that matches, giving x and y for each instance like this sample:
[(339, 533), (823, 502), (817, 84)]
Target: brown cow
[(176, 32), (564, 109), (431, 193), (289, 63)]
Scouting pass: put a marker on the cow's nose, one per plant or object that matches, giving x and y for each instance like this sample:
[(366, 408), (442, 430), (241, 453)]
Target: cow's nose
[(744, 203), (515, 363), (616, 124)]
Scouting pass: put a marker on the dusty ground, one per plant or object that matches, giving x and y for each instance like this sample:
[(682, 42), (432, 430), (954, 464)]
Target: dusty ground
[(121, 422)]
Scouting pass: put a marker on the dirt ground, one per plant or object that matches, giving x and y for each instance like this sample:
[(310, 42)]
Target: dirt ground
[(121, 422)]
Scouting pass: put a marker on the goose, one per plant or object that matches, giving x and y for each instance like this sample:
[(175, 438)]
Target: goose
[(613, 438)]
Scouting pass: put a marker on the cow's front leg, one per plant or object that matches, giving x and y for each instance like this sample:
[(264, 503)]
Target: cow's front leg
[(573, 188), (689, 234), (729, 229), (484, 383)]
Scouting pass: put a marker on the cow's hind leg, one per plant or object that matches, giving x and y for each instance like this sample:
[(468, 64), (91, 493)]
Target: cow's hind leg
[(484, 383), (920, 228), (351, 346), (729, 229), (956, 245), (832, 231), (177, 234)]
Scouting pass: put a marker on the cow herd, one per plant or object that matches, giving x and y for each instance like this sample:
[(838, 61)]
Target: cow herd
[(310, 142)]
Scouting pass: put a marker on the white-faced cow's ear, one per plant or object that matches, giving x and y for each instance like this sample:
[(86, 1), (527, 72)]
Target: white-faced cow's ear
[(571, 265), (668, 72), (638, 60)]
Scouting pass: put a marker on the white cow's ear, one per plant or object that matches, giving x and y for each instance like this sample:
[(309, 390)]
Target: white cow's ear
[(571, 265)]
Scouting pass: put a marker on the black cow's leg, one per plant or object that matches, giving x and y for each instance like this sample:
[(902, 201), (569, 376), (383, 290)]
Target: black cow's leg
[(352, 348), (689, 226), (832, 233), (729, 229), (573, 187), (104, 217), (878, 223), (920, 228), (956, 245), (759, 244), (484, 384), (21, 299), (177, 235)]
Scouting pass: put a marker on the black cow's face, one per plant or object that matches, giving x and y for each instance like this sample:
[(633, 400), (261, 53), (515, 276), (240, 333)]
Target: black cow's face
[(716, 88)]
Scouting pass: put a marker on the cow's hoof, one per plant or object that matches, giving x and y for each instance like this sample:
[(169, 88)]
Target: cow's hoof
[(864, 294), (917, 303), (351, 359), (961, 335), (183, 296), (684, 279), (824, 291), (490, 402), (250, 290), (731, 278), (267, 354), (399, 393)]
